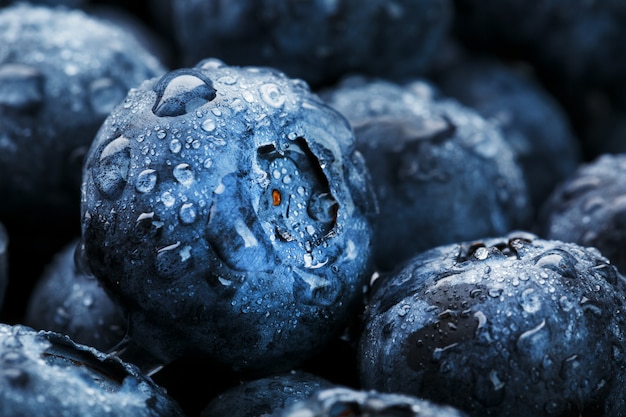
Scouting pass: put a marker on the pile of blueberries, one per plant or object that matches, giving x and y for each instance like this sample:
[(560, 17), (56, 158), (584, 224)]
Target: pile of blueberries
[(411, 208)]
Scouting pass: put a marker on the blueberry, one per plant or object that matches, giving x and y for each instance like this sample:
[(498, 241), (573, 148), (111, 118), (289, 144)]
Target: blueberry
[(61, 73), (317, 41), (71, 303), (442, 173), (350, 402), (47, 374), (228, 211), (532, 121), (510, 326), (589, 208), (265, 396)]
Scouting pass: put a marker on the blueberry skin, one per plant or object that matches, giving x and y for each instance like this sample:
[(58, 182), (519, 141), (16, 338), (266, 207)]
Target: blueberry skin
[(442, 173), (228, 211), (588, 208), (265, 396), (531, 119), (47, 374), (61, 73), (69, 302), (317, 41), (511, 326), (344, 401)]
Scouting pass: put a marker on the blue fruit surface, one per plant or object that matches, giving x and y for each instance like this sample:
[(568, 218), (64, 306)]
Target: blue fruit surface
[(317, 41), (442, 173), (509, 326), (227, 210), (47, 374)]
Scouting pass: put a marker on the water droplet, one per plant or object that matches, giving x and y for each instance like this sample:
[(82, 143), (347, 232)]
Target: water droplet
[(553, 407), (88, 300), (248, 96), (111, 170), (481, 253), (489, 389), (184, 174), (146, 180), (534, 342), (208, 125), (168, 199), (187, 213), (175, 146), (272, 95), (161, 134), (495, 292), (182, 91), (211, 63), (530, 300), (104, 95), (566, 303), (208, 162), (227, 80), (21, 86), (404, 310)]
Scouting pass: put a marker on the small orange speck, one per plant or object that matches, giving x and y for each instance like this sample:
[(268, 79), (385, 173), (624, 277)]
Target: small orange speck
[(275, 197)]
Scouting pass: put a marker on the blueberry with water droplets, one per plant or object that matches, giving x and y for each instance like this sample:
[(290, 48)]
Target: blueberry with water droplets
[(228, 211), (511, 326), (442, 173), (351, 402), (589, 208), (47, 374), (61, 73), (66, 301), (317, 41), (265, 396)]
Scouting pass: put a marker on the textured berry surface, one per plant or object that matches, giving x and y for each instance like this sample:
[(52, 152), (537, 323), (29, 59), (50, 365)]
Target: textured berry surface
[(344, 401), (46, 374), (317, 41), (265, 396), (227, 209), (589, 208), (505, 327), (441, 172), (501, 327), (61, 73), (71, 303), (532, 121)]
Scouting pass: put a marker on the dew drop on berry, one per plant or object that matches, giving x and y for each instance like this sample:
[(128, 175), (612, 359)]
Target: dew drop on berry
[(530, 300), (175, 146), (182, 91), (146, 181), (21, 86), (187, 213), (111, 170), (272, 95), (168, 199), (183, 174), (208, 125)]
